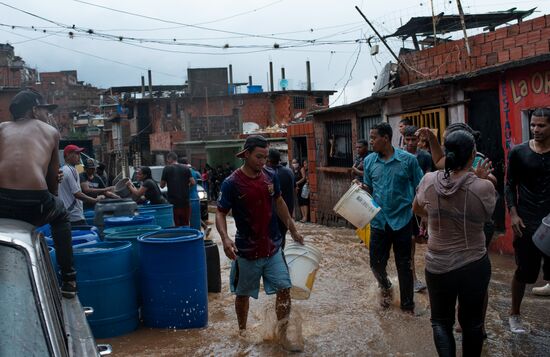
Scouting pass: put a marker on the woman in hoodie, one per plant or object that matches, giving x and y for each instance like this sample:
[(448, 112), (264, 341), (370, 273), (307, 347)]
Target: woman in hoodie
[(457, 203)]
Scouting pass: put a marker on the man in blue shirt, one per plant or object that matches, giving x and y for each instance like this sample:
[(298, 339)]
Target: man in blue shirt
[(391, 176)]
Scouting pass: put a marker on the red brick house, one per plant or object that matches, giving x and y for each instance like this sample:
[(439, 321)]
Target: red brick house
[(506, 76)]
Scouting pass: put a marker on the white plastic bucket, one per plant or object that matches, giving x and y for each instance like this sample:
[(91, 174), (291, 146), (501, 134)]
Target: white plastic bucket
[(303, 263), (541, 238), (357, 206)]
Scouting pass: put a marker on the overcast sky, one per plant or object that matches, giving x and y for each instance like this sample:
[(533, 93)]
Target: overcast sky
[(123, 46)]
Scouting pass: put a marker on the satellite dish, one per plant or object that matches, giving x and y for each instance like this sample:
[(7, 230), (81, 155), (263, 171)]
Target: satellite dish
[(283, 83)]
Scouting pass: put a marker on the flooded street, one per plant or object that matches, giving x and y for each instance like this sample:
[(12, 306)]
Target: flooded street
[(342, 316)]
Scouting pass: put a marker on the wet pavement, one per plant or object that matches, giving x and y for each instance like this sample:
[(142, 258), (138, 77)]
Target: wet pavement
[(342, 316)]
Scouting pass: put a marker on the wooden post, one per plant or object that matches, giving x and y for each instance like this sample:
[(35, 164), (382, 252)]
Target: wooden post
[(461, 13)]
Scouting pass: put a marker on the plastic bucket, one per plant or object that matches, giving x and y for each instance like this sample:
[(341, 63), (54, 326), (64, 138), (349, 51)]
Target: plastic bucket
[(164, 214), (541, 238), (128, 221), (106, 282), (364, 235), (357, 206), (173, 280), (303, 263), (121, 189)]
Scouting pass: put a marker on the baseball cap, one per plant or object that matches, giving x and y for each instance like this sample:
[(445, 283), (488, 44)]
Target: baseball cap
[(274, 155), (90, 164), (251, 142), (72, 148), (26, 100)]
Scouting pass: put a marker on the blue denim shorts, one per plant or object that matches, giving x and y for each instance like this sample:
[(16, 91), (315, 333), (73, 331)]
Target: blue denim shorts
[(244, 279)]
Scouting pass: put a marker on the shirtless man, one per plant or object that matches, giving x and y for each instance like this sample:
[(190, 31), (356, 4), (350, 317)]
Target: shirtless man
[(29, 164)]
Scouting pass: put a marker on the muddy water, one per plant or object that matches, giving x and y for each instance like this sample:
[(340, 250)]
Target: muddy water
[(342, 316)]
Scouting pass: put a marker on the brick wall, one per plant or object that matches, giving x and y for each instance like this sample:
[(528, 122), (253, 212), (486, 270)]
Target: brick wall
[(5, 99), (511, 43)]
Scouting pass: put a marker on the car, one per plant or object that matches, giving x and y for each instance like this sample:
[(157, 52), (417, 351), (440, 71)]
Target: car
[(35, 319), (156, 173)]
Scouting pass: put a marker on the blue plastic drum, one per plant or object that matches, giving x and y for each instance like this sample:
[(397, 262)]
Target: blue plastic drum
[(164, 214), (173, 279), (79, 237), (106, 282), (195, 213), (128, 221)]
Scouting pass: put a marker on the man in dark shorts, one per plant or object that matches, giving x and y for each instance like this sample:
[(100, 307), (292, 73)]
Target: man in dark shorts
[(286, 179), (426, 164), (178, 179), (253, 194), (528, 198), (362, 149), (29, 163)]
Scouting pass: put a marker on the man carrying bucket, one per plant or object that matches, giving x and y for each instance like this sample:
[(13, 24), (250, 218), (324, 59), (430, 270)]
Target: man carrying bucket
[(391, 175), (528, 198), (253, 194)]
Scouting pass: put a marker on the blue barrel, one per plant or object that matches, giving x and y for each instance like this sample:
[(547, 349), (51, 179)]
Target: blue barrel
[(106, 282), (149, 212), (79, 237), (130, 234), (164, 214), (146, 228), (173, 279), (89, 217), (195, 213), (128, 221), (45, 229)]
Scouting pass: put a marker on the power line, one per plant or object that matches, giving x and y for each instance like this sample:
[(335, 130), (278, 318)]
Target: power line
[(139, 42), (92, 55), (350, 74), (184, 24)]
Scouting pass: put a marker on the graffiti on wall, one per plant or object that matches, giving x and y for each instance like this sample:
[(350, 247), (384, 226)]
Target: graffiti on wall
[(506, 109)]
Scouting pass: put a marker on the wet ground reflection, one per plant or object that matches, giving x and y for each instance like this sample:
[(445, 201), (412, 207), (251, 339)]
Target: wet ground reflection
[(342, 316)]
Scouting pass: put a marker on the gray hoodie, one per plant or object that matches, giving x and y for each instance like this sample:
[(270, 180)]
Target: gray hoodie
[(457, 209)]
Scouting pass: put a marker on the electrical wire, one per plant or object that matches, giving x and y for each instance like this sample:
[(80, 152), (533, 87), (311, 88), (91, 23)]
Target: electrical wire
[(92, 55), (184, 24)]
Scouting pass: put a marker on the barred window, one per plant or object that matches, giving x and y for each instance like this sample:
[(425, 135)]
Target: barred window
[(299, 102), (339, 148)]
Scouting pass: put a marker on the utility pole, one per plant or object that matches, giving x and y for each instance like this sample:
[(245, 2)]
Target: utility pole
[(461, 13), (382, 39), (433, 22)]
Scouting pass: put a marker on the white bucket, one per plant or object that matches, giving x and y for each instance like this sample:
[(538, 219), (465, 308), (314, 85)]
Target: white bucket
[(357, 206), (303, 263), (541, 238)]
